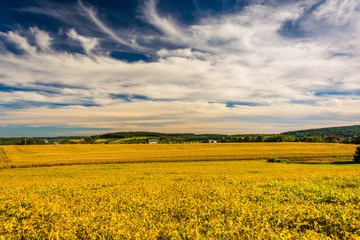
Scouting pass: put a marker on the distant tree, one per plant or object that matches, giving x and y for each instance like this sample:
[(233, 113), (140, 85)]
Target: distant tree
[(356, 140), (28, 141), (357, 155), (233, 138), (280, 138), (333, 138), (66, 141), (260, 138), (90, 140), (240, 139), (248, 138)]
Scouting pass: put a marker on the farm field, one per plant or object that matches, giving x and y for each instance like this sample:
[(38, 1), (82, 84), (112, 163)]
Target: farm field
[(50, 155), (181, 200)]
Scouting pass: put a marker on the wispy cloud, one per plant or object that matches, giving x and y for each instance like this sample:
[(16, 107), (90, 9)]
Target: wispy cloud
[(88, 43), (42, 38), (264, 68), (165, 24), (91, 14)]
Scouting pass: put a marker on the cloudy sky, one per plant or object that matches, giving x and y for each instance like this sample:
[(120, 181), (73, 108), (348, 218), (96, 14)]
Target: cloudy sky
[(202, 66)]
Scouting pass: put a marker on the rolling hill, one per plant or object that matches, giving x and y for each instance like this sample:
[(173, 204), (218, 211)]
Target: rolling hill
[(345, 131)]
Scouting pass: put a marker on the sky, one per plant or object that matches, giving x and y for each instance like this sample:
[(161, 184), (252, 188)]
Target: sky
[(82, 67)]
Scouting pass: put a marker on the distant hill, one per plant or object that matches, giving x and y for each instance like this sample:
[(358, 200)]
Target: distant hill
[(346, 131), (156, 134), (163, 137)]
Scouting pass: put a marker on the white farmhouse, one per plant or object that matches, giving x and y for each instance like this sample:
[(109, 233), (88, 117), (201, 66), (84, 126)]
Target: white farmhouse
[(152, 141)]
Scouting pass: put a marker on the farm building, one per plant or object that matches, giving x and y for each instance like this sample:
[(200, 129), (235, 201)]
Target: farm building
[(212, 141), (152, 141), (46, 142)]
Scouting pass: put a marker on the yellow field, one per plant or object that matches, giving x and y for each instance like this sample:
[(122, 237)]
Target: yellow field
[(42, 155), (181, 200)]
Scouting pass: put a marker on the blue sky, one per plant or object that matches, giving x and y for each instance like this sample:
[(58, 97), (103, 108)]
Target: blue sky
[(221, 66)]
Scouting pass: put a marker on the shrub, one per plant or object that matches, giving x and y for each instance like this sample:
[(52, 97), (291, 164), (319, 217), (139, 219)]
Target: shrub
[(274, 160), (357, 155)]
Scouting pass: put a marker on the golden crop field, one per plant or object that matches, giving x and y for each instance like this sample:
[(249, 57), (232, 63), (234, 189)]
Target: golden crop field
[(181, 200), (51, 155)]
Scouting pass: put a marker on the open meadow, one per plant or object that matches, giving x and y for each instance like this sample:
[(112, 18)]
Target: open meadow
[(52, 155)]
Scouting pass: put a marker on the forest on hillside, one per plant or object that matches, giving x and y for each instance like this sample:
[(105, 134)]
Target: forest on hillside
[(346, 131)]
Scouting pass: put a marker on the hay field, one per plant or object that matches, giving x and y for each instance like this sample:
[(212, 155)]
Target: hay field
[(52, 155), (181, 200)]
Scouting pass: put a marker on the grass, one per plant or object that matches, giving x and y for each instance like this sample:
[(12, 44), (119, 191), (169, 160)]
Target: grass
[(181, 200), (42, 155)]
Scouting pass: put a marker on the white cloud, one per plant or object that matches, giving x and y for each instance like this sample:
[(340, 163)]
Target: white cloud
[(20, 41), (88, 43), (180, 116), (240, 58), (43, 40), (338, 13)]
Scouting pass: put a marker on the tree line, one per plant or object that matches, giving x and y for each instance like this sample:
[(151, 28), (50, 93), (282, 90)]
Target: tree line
[(36, 141), (290, 138), (141, 137)]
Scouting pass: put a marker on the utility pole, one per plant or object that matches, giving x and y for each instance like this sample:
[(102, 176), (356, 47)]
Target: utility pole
[(25, 141)]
